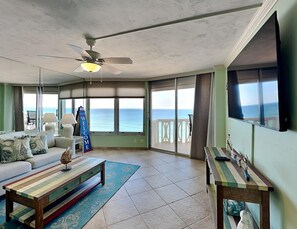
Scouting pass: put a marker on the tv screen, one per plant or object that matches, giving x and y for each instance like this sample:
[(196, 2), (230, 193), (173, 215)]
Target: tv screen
[(255, 86)]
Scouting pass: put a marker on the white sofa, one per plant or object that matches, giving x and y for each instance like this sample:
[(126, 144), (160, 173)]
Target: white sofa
[(12, 171)]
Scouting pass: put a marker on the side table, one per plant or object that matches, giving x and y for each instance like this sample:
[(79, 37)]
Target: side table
[(80, 141)]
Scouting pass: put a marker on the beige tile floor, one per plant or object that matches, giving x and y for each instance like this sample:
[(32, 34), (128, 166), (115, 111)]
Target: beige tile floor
[(167, 191)]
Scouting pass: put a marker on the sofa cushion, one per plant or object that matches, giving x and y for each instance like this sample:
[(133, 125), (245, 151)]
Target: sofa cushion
[(22, 148), (10, 170), (38, 144), (53, 155), (12, 135)]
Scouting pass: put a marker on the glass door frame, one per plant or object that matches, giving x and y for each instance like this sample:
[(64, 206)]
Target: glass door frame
[(175, 152)]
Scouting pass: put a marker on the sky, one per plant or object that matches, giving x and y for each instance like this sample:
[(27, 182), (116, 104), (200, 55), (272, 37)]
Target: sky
[(50, 101), (166, 99), (249, 93)]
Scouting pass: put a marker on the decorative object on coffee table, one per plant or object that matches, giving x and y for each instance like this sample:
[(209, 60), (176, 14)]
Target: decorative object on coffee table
[(66, 159)]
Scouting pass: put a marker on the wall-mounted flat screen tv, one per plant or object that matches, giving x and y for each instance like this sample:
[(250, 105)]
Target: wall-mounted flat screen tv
[(255, 85)]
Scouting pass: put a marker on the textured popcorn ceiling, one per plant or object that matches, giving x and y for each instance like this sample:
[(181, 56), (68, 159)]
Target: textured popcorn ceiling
[(45, 27)]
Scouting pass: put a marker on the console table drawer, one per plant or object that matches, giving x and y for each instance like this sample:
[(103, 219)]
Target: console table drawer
[(90, 173), (63, 190)]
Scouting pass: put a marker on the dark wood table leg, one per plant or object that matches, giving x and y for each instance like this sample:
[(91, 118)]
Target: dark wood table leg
[(103, 174), (9, 206), (207, 175), (264, 210), (38, 215), (220, 219)]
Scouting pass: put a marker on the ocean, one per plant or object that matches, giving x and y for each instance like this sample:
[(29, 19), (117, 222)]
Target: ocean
[(131, 120), (252, 111)]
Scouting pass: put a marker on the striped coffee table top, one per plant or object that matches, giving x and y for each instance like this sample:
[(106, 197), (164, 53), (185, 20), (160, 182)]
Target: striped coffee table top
[(46, 181), (228, 173)]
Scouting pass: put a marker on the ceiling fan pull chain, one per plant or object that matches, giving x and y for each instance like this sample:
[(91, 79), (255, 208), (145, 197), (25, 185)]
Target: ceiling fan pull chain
[(90, 78)]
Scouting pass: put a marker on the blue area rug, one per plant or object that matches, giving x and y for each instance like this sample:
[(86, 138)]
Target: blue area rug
[(79, 214)]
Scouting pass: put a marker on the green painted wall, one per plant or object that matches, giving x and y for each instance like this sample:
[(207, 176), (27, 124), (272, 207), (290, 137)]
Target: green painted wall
[(219, 105), (274, 153), (6, 109), (2, 98), (119, 141)]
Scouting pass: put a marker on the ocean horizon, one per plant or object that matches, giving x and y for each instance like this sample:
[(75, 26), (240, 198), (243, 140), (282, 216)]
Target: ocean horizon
[(131, 120), (253, 111)]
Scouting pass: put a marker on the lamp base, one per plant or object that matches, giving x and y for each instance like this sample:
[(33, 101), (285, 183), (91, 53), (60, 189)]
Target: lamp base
[(68, 131), (49, 127)]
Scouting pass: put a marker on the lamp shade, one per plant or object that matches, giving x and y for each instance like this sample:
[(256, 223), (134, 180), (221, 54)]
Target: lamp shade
[(68, 119), (49, 117), (90, 67)]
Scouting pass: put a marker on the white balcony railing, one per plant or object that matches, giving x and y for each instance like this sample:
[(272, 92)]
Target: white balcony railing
[(163, 131)]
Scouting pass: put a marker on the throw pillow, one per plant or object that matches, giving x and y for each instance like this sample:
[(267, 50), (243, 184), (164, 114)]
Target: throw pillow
[(7, 151), (38, 144), (22, 148)]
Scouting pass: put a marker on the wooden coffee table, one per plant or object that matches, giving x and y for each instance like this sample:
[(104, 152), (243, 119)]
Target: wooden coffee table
[(46, 194)]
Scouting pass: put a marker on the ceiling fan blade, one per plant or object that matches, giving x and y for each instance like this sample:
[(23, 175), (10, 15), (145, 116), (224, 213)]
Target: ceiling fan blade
[(95, 55), (60, 57), (111, 69), (80, 51), (118, 60), (78, 69)]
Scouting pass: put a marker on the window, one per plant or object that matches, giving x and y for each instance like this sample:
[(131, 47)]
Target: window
[(50, 103), (68, 106), (113, 107), (29, 104), (131, 115), (102, 115), (36, 102), (78, 103)]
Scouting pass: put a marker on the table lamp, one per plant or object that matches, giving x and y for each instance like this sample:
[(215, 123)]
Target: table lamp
[(67, 121), (50, 119)]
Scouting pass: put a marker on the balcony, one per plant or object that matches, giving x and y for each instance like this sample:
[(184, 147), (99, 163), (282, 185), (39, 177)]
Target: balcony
[(163, 135)]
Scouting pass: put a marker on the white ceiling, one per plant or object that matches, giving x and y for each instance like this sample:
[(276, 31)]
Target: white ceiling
[(42, 27)]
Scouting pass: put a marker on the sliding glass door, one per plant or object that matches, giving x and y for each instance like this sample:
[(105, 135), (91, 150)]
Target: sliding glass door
[(185, 106), (163, 115), (172, 103)]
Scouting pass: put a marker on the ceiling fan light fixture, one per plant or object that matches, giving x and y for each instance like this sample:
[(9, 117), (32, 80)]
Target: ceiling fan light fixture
[(90, 67)]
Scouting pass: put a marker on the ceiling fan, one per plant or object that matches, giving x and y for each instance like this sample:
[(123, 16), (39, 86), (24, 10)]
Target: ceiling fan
[(92, 60)]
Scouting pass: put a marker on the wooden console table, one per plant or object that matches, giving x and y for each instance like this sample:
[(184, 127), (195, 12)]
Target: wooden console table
[(230, 183)]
